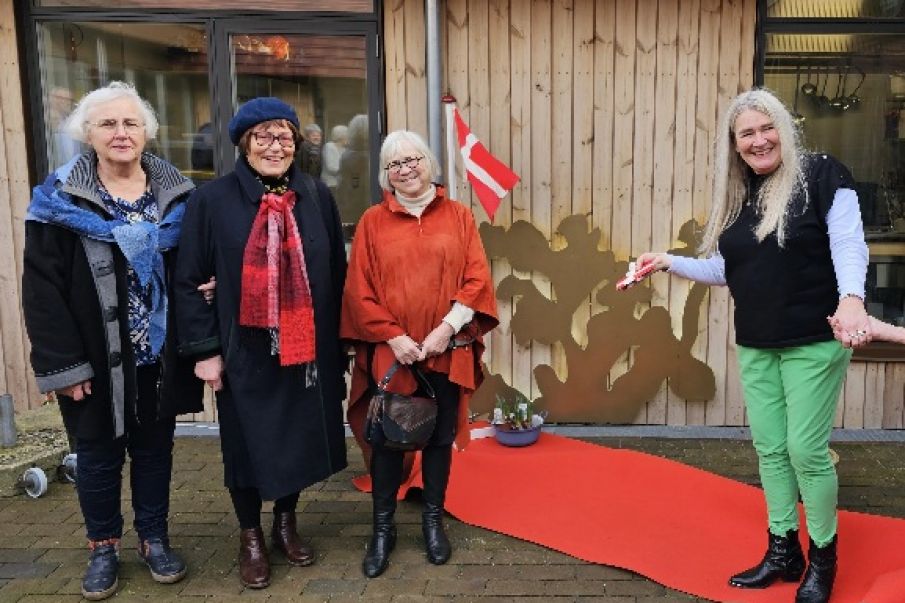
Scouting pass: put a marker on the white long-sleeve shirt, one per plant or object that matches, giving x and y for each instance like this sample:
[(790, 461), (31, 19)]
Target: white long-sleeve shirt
[(847, 248)]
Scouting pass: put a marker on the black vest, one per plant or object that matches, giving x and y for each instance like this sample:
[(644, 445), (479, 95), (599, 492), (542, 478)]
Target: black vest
[(783, 295)]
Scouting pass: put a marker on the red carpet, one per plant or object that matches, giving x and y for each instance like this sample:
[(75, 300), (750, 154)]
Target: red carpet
[(680, 526)]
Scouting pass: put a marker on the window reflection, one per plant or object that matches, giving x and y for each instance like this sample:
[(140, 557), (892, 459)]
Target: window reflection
[(325, 79), (836, 9), (166, 62), (848, 92)]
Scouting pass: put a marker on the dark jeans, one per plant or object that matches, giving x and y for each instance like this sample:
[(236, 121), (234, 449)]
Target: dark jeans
[(100, 465)]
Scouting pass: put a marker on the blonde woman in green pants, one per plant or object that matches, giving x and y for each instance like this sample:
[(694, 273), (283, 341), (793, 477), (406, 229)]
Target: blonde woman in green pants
[(785, 235)]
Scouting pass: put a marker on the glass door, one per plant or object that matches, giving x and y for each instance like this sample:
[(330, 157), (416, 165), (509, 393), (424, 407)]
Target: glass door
[(330, 78), (166, 62)]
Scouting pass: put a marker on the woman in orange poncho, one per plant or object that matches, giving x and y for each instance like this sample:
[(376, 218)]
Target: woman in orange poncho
[(418, 291)]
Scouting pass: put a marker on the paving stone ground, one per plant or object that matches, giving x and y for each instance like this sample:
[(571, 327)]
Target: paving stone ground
[(42, 544)]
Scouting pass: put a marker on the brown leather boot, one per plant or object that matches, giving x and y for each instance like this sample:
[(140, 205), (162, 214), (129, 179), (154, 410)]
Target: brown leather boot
[(254, 565), (286, 539)]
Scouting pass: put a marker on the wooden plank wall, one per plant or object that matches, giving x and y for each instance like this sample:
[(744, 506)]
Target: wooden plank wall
[(607, 108), (16, 377), (604, 107)]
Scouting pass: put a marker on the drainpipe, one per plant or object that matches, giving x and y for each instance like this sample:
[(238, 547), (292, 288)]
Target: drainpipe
[(434, 111)]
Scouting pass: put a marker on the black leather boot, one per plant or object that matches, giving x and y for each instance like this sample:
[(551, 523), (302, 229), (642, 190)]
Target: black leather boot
[(435, 464), (818, 581), (783, 561), (386, 475)]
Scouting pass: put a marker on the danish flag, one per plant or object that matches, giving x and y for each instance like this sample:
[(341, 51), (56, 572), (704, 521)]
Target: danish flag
[(490, 178)]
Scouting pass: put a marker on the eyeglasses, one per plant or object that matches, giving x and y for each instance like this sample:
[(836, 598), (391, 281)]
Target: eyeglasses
[(111, 126), (396, 166), (265, 139)]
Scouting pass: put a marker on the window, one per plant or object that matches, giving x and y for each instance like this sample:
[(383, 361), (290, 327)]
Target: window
[(844, 78), (166, 62), (195, 67)]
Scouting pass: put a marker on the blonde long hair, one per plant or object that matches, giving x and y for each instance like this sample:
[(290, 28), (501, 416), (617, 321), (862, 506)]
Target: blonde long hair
[(729, 172)]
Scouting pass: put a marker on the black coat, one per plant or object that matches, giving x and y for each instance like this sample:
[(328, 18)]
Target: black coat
[(277, 435), (67, 326)]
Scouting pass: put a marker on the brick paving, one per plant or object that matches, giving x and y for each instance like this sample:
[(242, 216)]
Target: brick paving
[(42, 546)]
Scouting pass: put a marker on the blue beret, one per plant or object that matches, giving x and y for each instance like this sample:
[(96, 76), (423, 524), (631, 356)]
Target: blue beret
[(263, 108)]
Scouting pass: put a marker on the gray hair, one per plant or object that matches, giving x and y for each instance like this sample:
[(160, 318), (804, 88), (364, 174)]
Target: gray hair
[(390, 148), (76, 125), (311, 128), (729, 172), (339, 132)]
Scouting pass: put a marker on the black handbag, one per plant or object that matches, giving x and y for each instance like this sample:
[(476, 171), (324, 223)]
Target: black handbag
[(401, 422)]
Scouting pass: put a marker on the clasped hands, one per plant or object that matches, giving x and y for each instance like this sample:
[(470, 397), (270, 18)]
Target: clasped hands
[(407, 351), (850, 323)]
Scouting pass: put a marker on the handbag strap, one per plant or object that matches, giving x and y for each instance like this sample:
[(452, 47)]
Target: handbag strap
[(425, 384)]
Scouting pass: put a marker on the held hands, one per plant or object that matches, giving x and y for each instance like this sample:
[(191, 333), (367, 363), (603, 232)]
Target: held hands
[(851, 324), (408, 352), (77, 392), (211, 371)]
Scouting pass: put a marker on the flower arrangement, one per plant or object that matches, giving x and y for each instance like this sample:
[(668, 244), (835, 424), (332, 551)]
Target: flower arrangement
[(515, 422), (513, 414)]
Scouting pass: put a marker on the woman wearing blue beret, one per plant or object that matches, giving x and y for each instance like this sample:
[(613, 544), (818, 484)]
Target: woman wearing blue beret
[(268, 344)]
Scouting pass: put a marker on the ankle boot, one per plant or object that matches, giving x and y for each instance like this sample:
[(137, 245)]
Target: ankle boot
[(435, 465), (101, 576), (254, 564), (783, 560), (818, 581), (435, 541), (286, 539), (382, 543), (386, 475)]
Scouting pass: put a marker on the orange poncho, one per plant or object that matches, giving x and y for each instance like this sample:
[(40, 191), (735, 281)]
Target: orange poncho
[(404, 275)]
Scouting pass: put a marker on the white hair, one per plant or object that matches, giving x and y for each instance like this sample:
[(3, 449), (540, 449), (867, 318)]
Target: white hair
[(779, 188), (76, 125), (391, 146), (339, 132)]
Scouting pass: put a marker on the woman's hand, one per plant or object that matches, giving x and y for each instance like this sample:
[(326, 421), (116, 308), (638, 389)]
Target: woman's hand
[(211, 371), (851, 324), (207, 290), (405, 349), (661, 261), (77, 392), (436, 341)]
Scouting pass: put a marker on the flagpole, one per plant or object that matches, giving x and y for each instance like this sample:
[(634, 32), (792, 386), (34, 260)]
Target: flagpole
[(452, 147)]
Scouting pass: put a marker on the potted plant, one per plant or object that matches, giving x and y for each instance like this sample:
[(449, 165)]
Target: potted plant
[(514, 421)]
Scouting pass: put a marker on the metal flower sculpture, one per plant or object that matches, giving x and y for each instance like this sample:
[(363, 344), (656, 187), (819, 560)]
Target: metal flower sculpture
[(575, 271)]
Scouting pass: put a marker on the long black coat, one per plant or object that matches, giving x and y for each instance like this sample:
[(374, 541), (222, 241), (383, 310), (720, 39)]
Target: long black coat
[(277, 435), (65, 321)]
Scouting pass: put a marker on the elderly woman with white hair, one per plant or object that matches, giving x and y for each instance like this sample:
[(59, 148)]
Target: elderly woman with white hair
[(100, 238), (785, 236), (418, 295)]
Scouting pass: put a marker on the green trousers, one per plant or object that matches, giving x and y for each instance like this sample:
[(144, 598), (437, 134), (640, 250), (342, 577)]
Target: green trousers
[(791, 395)]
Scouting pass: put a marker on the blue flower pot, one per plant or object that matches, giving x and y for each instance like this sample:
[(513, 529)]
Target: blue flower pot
[(516, 437)]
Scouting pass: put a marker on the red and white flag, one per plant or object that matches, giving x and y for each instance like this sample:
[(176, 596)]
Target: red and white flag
[(490, 178)]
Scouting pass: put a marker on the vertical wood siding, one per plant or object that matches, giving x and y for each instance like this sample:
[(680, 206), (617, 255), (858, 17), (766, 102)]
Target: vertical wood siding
[(607, 108), (604, 107)]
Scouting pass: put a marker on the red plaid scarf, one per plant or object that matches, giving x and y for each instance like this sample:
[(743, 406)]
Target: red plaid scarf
[(275, 291)]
